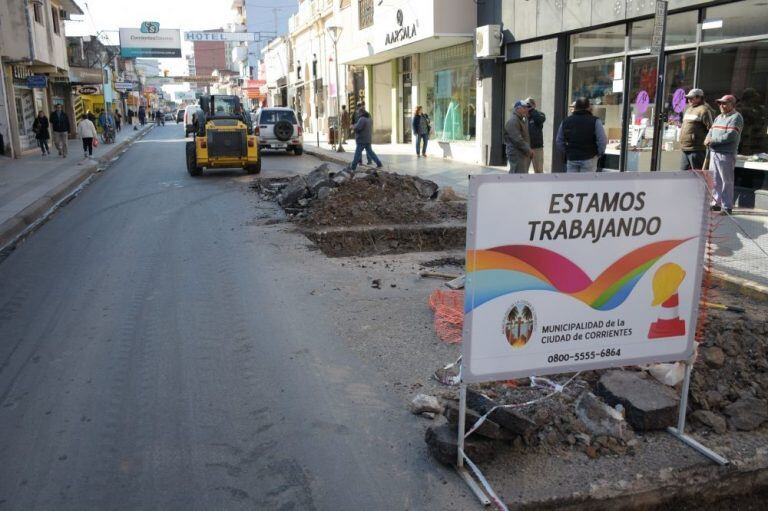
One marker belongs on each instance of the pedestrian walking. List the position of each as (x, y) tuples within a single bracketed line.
[(359, 109), (581, 137), (421, 126), (723, 141), (345, 123), (40, 128), (118, 120), (363, 138), (536, 121), (142, 115), (517, 139), (87, 132), (129, 117), (61, 127), (697, 120)]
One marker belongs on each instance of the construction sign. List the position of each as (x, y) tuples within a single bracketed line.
[(568, 272)]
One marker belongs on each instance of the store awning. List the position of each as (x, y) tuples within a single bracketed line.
[(369, 56)]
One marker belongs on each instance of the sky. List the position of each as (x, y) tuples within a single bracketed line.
[(105, 17)]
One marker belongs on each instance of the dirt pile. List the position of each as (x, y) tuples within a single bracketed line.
[(383, 198), (328, 198), (729, 385)]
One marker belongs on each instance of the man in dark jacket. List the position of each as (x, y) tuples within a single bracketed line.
[(582, 138), (517, 141), (536, 131), (697, 119), (60, 125), (363, 138)]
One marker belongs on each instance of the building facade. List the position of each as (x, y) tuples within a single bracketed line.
[(33, 66), (558, 50), (403, 54)]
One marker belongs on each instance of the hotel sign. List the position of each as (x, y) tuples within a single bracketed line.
[(403, 33)]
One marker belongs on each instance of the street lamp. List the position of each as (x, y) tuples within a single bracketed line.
[(335, 32)]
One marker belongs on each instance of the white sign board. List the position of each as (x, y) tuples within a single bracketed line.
[(165, 43), (569, 272), (221, 36)]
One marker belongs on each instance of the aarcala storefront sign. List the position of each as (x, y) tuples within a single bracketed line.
[(403, 33)]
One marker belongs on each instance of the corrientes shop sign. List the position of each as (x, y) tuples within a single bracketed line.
[(404, 33)]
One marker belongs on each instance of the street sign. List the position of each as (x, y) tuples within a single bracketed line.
[(123, 86), (164, 43), (37, 81), (659, 27), (570, 272)]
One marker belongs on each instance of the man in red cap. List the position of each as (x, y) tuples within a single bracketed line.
[(723, 141)]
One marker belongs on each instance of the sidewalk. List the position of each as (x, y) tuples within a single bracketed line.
[(31, 185), (401, 158), (743, 261)]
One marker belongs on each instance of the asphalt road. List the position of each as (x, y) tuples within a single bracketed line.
[(154, 354)]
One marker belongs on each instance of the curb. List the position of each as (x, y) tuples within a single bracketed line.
[(321, 155), (741, 286), (31, 217)]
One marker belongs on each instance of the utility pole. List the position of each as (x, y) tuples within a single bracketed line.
[(657, 48)]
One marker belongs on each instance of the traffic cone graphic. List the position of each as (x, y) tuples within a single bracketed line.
[(666, 283)]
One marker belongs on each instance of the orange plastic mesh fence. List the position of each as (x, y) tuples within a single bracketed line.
[(448, 307)]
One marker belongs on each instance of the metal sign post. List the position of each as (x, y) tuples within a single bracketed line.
[(657, 48)]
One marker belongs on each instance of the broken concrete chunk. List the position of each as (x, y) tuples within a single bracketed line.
[(511, 419), (295, 191), (443, 445), (319, 174), (648, 404), (323, 192), (748, 413), (425, 188), (425, 403), (711, 420), (487, 429), (600, 418), (714, 356)]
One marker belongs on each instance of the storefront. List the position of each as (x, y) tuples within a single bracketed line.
[(416, 54), (722, 49)]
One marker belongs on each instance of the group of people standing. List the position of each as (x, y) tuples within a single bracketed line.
[(60, 124), (582, 139)]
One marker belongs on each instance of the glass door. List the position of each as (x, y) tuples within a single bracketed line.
[(643, 75), (406, 104), (679, 78)]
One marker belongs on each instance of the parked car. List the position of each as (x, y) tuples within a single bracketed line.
[(169, 116), (179, 115), (278, 128), (189, 118)]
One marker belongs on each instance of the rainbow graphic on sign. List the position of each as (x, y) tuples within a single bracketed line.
[(499, 271)]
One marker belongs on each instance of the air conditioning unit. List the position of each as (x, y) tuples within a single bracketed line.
[(488, 41)]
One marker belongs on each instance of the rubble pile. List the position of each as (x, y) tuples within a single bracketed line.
[(326, 197), (729, 384)]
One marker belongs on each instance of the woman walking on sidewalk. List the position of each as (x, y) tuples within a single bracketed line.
[(420, 125), (40, 127), (87, 131)]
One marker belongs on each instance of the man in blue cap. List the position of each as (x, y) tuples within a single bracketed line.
[(517, 139)]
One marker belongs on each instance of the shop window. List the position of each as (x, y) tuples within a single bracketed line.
[(447, 92), (523, 80), (55, 19), (741, 70), (594, 43), (38, 12), (681, 29), (601, 81), (738, 19), (365, 13)]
